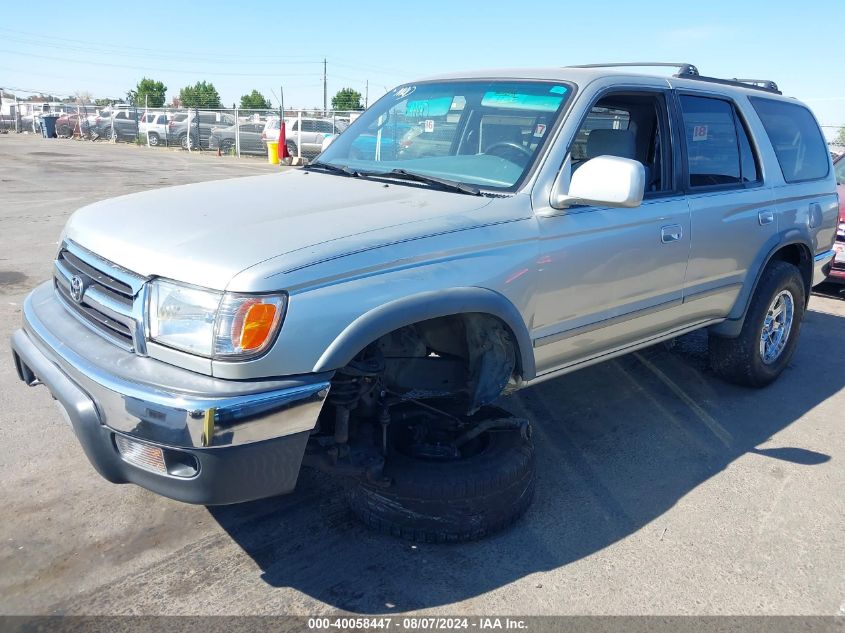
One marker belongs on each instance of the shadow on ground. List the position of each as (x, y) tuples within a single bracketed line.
[(618, 444)]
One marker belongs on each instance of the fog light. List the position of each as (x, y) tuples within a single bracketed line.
[(144, 456)]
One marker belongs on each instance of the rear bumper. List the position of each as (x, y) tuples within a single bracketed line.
[(822, 265), (837, 270), (221, 441)]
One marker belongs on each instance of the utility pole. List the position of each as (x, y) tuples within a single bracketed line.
[(325, 90), (367, 94)]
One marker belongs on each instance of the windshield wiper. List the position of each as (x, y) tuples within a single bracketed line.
[(443, 183), (335, 169)]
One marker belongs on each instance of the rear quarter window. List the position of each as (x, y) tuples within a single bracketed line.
[(796, 138)]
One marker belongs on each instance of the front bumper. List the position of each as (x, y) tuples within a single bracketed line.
[(222, 441)]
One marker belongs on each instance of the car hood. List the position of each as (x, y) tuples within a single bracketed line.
[(206, 233)]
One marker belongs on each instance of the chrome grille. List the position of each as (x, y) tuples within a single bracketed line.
[(111, 298)]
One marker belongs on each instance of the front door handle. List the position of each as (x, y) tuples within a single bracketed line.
[(671, 233), (765, 217)]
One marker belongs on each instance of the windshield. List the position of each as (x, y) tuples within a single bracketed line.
[(485, 133)]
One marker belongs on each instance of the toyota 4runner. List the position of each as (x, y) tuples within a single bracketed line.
[(362, 315)]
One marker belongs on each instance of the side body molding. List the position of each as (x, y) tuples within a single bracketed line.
[(421, 307)]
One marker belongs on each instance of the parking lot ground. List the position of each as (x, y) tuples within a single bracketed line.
[(661, 490)]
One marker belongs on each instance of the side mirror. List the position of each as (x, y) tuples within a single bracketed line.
[(326, 142), (608, 181)]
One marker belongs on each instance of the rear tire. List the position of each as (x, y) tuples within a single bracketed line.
[(453, 501), (154, 139), (291, 146), (764, 348)]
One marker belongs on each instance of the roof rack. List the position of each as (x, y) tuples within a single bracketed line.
[(765, 84), (688, 71), (683, 68)]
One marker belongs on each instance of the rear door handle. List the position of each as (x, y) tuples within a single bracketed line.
[(671, 233), (765, 217)]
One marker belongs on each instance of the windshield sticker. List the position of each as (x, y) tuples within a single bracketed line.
[(401, 93), (540, 130), (428, 107), (520, 101), (699, 133), (558, 90), (429, 125)]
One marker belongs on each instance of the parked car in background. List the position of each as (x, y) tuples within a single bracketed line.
[(223, 138), (121, 124), (153, 125), (69, 125), (311, 136), (837, 272), (197, 131)]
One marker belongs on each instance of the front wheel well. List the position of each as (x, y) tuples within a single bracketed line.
[(471, 357)]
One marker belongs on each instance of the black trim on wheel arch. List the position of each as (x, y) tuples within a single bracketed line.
[(391, 316), (732, 326), (739, 360)]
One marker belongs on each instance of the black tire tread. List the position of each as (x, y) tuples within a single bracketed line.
[(736, 360), (458, 501)]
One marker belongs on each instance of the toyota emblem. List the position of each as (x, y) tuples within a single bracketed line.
[(77, 288)]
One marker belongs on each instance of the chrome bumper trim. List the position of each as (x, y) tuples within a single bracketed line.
[(184, 409), (821, 266)]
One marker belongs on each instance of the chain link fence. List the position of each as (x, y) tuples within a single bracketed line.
[(227, 131)]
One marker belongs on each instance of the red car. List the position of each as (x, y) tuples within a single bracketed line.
[(68, 125), (837, 272)]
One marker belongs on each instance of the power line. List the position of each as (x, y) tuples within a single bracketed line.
[(246, 56), (216, 59), (149, 69)]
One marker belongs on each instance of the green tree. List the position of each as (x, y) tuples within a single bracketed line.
[(840, 137), (102, 102), (149, 92), (255, 100), (347, 99), (200, 95)]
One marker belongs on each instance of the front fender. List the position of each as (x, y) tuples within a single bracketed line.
[(420, 307)]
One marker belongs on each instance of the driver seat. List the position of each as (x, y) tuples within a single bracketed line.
[(601, 142), (621, 143)]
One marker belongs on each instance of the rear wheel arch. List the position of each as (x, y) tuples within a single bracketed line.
[(796, 252), (407, 311)]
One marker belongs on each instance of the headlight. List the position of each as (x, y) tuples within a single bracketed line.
[(213, 324)]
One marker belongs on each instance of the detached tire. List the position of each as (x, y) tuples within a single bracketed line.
[(755, 360), (452, 501)]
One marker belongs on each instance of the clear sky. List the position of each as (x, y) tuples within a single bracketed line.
[(105, 48)]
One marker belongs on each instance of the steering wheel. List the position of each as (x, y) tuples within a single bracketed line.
[(510, 147)]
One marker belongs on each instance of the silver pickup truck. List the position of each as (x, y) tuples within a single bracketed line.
[(467, 236)]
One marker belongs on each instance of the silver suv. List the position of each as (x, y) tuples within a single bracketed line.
[(467, 236)]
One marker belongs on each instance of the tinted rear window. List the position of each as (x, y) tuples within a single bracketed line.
[(796, 138)]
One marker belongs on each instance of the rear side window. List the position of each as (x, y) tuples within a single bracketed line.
[(718, 149), (796, 138)]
